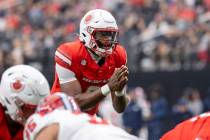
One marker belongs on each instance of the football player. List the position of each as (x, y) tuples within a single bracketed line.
[(21, 88), (93, 66), (196, 128), (58, 118)]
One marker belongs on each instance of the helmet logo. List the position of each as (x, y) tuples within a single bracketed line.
[(88, 19), (17, 85)]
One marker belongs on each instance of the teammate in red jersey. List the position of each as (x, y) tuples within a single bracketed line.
[(196, 128), (21, 89), (93, 66)]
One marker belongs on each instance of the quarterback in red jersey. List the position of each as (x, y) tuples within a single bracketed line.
[(196, 128), (21, 88), (93, 66)]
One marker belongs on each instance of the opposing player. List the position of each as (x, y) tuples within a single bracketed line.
[(93, 66), (21, 89), (58, 118), (196, 128)]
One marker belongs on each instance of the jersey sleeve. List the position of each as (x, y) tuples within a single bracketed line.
[(65, 75), (63, 57), (32, 127), (37, 122), (121, 56), (64, 65)]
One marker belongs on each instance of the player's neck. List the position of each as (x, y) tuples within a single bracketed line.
[(94, 56), (99, 60)]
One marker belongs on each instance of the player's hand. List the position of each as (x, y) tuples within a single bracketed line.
[(118, 79)]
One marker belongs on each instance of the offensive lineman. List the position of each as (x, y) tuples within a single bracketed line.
[(58, 118)]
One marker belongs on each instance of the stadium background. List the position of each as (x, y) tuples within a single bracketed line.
[(167, 41)]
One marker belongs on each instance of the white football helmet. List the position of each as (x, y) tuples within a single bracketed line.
[(99, 31), (22, 86), (58, 100)]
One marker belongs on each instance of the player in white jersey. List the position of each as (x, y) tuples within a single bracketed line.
[(102, 132), (58, 118)]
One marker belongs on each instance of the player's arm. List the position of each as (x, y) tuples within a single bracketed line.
[(120, 102), (48, 133), (85, 100), (119, 97), (70, 85)]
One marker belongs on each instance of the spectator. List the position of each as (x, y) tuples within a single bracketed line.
[(159, 112), (194, 102), (132, 116), (206, 102), (181, 112)]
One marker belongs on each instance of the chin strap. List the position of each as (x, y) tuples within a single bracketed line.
[(94, 55)]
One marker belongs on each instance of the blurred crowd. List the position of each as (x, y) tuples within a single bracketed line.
[(167, 35), (159, 35)]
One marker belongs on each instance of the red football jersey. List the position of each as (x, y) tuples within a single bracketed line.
[(4, 130), (75, 57), (196, 128)]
